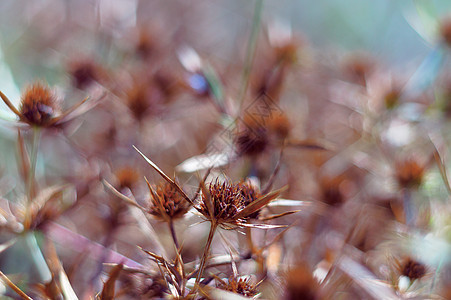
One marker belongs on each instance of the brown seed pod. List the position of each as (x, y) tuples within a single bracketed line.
[(238, 285), (39, 107), (167, 201), (445, 30), (252, 139), (412, 269), (409, 173), (300, 284), (39, 104), (127, 177), (250, 194), (227, 201)]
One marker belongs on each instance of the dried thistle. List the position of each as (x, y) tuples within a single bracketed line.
[(238, 285), (166, 202), (253, 139), (391, 97), (300, 284), (39, 107), (127, 177), (409, 173), (445, 30), (358, 67), (227, 204), (38, 104), (84, 73), (411, 268)]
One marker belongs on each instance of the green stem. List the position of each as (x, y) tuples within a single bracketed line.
[(31, 188), (250, 50), (203, 261)]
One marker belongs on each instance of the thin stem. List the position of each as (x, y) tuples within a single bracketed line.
[(203, 261), (14, 287), (409, 209), (174, 236), (31, 188), (250, 50), (37, 258)]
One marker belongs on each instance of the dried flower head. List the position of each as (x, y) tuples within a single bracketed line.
[(233, 204), (250, 193), (227, 201), (39, 104), (145, 45), (300, 284), (330, 190), (358, 67), (409, 173), (167, 201), (39, 107), (280, 126), (412, 269), (83, 73), (252, 139), (126, 177), (238, 285), (391, 97), (138, 100), (445, 30)]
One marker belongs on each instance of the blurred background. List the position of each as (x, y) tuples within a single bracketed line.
[(360, 93)]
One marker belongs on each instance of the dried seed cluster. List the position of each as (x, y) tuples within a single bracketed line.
[(413, 269), (174, 205), (38, 104), (241, 286), (227, 200)]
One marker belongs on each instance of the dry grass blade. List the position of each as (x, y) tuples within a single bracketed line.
[(365, 279), (308, 145), (24, 158), (10, 105), (280, 215), (123, 197), (202, 183), (108, 290), (207, 200), (59, 276), (14, 287), (441, 168), (47, 195), (259, 203), (157, 202), (161, 260), (260, 226), (166, 177)]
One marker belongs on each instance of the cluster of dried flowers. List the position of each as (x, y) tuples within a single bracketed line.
[(357, 154)]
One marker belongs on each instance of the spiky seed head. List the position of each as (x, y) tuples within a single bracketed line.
[(358, 67), (445, 30), (227, 201), (413, 269), (238, 285), (250, 193), (127, 177), (391, 97), (175, 206), (409, 173), (280, 126), (300, 284), (252, 139), (330, 191), (38, 105), (83, 73), (138, 100)]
